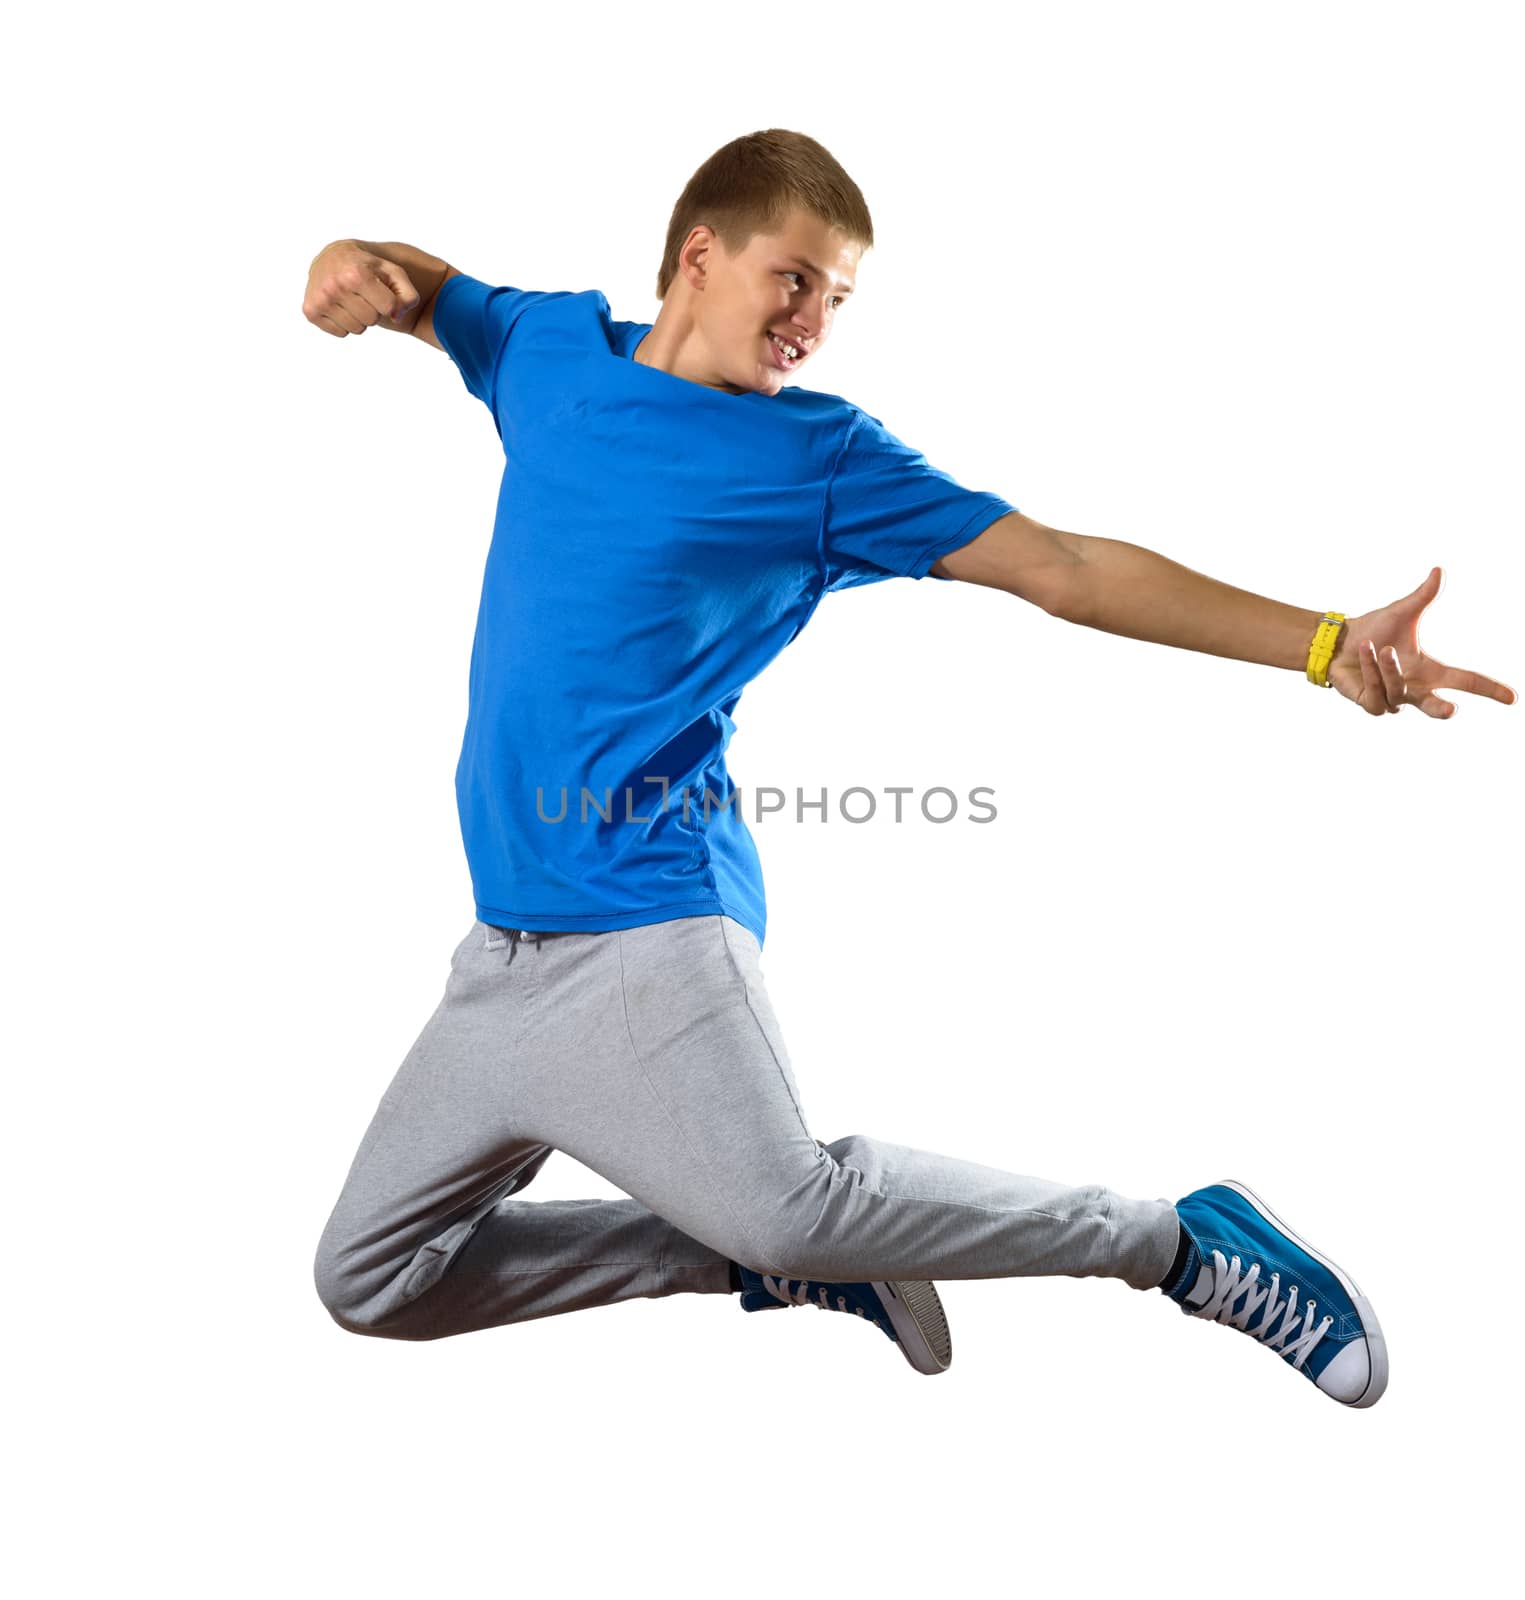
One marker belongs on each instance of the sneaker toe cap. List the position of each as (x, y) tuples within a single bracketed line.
[(1350, 1377)]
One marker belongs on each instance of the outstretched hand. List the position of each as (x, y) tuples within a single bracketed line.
[(1379, 665)]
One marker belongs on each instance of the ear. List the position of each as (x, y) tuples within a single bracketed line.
[(694, 257)]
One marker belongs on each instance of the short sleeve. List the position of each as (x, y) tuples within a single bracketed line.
[(891, 514), (473, 320)]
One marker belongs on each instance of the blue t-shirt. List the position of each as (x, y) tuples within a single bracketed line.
[(657, 543)]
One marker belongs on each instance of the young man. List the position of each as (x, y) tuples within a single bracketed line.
[(671, 515)]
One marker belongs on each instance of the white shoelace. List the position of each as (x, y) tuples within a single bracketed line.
[(1229, 1283), (775, 1287)]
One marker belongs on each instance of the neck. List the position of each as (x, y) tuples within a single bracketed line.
[(674, 346)]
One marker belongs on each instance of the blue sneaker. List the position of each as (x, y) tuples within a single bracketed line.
[(910, 1313), (1234, 1243)]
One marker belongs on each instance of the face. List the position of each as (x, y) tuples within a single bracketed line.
[(791, 284)]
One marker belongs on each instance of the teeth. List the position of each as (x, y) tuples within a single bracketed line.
[(789, 349)]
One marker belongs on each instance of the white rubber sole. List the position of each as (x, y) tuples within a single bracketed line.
[(1376, 1344), (920, 1323)]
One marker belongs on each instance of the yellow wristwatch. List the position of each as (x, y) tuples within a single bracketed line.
[(1321, 651)]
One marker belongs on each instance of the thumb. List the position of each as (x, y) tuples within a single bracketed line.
[(399, 283), (1417, 599)]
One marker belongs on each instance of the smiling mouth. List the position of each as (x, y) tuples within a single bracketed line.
[(787, 362)]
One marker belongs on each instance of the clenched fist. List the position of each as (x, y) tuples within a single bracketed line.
[(350, 288)]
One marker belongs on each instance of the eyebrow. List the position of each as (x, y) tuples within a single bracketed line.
[(800, 261)]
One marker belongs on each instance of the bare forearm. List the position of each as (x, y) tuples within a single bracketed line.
[(1126, 589)]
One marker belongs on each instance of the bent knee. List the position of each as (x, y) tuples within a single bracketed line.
[(348, 1315), (342, 1297)]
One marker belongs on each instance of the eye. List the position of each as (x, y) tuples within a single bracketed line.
[(839, 300), (800, 275)]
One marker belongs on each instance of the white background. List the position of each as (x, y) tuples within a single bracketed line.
[(1237, 284)]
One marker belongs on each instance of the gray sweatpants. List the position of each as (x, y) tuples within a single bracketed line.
[(652, 1056)]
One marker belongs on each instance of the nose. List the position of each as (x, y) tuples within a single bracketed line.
[(810, 329)]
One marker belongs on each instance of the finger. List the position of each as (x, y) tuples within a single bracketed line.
[(339, 313), (328, 319), (1433, 706), (339, 299), (1474, 683), (1417, 599), (387, 292), (359, 307), (360, 295), (1373, 697), (1427, 590), (1393, 686), (401, 285)]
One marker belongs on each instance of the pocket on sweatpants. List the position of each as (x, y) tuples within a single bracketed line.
[(746, 955)]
